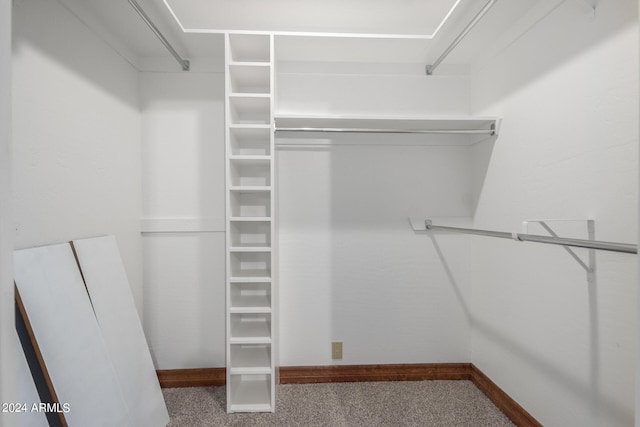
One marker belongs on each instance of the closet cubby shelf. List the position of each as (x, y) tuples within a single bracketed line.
[(251, 371), (250, 304), (250, 142), (250, 173), (248, 63), (249, 95), (264, 63), (249, 340), (249, 158), (250, 264), (250, 109), (251, 393), (250, 188), (437, 130), (248, 325), (250, 199), (262, 276), (250, 78), (250, 310), (249, 48), (251, 296), (250, 279), (253, 248), (235, 279), (250, 126), (250, 356), (250, 235)]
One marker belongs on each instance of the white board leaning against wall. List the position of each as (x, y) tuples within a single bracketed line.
[(68, 336), (87, 330), (114, 307)]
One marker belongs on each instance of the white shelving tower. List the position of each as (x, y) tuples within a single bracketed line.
[(250, 225)]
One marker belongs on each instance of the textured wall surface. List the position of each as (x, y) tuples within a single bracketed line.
[(76, 144), (76, 134), (351, 268), (563, 347), (183, 180)]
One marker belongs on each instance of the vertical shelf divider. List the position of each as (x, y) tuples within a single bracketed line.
[(250, 223)]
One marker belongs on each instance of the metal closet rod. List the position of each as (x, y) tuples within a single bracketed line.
[(562, 241), (374, 130), (183, 62), (461, 36)]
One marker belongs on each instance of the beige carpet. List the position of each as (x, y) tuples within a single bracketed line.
[(410, 403)]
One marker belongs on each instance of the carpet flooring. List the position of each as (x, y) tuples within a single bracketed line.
[(371, 404)]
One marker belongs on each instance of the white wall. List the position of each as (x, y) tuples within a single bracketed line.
[(7, 334), (351, 268), (76, 134), (183, 184), (76, 147), (324, 272), (567, 87), (361, 89)]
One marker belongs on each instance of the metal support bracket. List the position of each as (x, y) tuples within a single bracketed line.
[(591, 236)]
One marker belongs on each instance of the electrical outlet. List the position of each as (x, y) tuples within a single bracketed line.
[(336, 350)]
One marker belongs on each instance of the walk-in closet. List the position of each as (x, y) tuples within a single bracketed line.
[(347, 212)]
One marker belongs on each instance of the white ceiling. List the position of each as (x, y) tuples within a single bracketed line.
[(387, 18), (394, 42)]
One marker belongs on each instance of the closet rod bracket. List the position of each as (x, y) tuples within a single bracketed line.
[(591, 233)]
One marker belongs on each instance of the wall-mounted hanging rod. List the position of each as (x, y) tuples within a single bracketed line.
[(374, 130), (579, 243), (461, 36), (183, 62)]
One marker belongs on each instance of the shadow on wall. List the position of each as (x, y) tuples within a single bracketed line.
[(51, 30), (481, 161), (600, 404), (585, 391), (380, 303)]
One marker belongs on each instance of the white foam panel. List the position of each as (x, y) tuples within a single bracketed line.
[(69, 337), (115, 309)]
